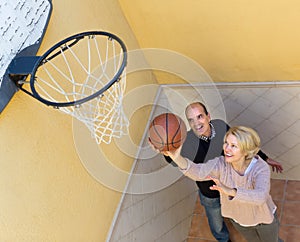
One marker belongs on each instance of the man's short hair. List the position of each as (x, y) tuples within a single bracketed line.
[(197, 103)]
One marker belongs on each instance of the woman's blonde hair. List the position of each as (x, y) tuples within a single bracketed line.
[(247, 139)]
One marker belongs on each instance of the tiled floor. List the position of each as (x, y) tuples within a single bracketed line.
[(286, 195)]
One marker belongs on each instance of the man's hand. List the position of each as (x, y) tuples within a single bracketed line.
[(276, 166)]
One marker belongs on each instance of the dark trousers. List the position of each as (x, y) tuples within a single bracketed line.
[(261, 232)]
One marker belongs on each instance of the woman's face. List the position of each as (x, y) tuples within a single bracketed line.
[(232, 151)]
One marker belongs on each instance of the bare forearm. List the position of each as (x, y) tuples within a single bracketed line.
[(181, 162)]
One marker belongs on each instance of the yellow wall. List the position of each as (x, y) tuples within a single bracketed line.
[(46, 194), (233, 40)]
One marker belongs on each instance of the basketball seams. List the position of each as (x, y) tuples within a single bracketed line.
[(161, 142), (175, 135), (167, 132)]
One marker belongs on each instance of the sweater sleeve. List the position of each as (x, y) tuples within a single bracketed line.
[(262, 155), (259, 193), (201, 171)]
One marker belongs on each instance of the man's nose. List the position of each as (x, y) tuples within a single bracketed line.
[(198, 121)]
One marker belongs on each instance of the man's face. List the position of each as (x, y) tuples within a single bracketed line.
[(198, 120)]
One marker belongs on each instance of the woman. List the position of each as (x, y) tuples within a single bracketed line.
[(243, 180)]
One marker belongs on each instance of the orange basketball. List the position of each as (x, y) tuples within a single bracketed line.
[(167, 132)]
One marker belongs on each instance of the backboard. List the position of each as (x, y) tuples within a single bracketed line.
[(22, 27)]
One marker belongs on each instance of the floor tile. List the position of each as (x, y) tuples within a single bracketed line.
[(199, 209), (198, 240), (293, 191), (277, 189), (289, 233), (290, 214), (200, 228), (197, 220)]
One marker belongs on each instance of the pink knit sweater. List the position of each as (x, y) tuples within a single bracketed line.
[(252, 204)]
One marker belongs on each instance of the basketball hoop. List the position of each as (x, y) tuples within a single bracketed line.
[(83, 76)]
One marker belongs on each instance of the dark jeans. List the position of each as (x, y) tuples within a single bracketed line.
[(216, 221)]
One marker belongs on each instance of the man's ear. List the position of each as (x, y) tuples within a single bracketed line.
[(208, 115)]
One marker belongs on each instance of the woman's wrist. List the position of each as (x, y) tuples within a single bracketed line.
[(182, 163)]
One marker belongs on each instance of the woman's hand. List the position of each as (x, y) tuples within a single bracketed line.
[(172, 153), (181, 162), (222, 188)]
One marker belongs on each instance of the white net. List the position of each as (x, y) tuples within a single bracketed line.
[(80, 70)]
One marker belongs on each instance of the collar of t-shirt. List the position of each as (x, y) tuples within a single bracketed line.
[(252, 163)]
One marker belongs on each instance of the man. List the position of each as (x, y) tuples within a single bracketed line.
[(204, 141)]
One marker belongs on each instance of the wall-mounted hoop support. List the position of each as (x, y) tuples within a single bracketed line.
[(84, 76), (20, 68), (22, 28)]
